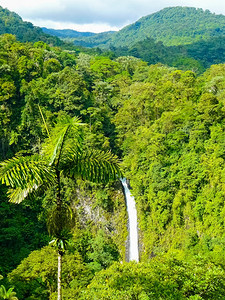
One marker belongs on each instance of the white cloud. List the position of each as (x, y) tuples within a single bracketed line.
[(94, 27)]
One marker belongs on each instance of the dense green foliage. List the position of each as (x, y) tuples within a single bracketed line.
[(171, 126), (196, 56), (161, 278), (7, 293), (38, 80), (193, 58), (167, 126), (208, 52)]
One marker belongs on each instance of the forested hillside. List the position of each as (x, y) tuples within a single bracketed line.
[(12, 23), (173, 26), (166, 125), (66, 33), (171, 126), (181, 37), (197, 55)]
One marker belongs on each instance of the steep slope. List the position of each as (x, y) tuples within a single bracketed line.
[(12, 23), (175, 26), (172, 25)]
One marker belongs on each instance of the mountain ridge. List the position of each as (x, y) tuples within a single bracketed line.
[(172, 25), (66, 33)]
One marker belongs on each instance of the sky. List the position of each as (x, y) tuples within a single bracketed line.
[(97, 15)]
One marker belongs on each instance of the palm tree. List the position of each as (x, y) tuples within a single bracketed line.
[(62, 156)]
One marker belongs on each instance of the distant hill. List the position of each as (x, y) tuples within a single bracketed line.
[(67, 33), (173, 26), (85, 39), (12, 23)]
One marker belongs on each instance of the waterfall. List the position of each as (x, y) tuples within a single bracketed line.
[(132, 221)]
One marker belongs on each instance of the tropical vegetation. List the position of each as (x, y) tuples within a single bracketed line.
[(65, 116)]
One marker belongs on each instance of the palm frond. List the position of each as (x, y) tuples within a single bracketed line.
[(66, 132), (61, 243), (96, 166), (58, 145), (24, 174), (17, 195), (43, 118), (7, 294)]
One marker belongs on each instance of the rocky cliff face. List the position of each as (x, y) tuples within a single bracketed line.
[(103, 209)]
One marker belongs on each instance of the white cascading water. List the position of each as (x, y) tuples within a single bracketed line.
[(133, 226)]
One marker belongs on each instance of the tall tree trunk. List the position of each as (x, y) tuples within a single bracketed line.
[(59, 279), (59, 223)]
